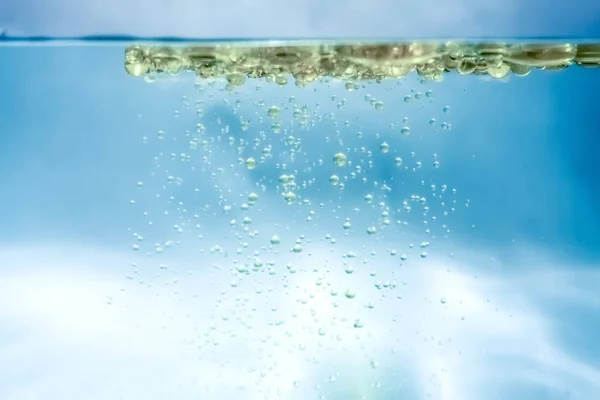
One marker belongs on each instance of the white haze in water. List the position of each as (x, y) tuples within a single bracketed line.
[(72, 328)]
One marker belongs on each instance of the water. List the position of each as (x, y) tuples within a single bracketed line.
[(328, 221)]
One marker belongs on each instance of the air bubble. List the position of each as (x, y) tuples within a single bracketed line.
[(275, 239), (340, 159), (274, 112), (250, 163), (289, 197), (252, 198)]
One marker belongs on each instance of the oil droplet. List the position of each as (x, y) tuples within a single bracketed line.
[(371, 230), (350, 294), (334, 180), (407, 99), (424, 254), (398, 161), (340, 159), (250, 163), (358, 323), (384, 147), (322, 331), (347, 225), (378, 105), (405, 131), (369, 198)]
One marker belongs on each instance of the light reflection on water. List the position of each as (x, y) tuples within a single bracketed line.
[(398, 240)]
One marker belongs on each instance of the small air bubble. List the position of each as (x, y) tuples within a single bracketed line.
[(250, 163), (252, 198), (340, 159), (273, 112), (275, 239)]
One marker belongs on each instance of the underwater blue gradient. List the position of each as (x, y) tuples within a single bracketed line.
[(524, 152)]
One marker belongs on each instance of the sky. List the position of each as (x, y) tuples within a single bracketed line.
[(304, 19), (132, 264)]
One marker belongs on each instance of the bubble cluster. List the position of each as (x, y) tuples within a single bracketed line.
[(356, 61), (292, 225)]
